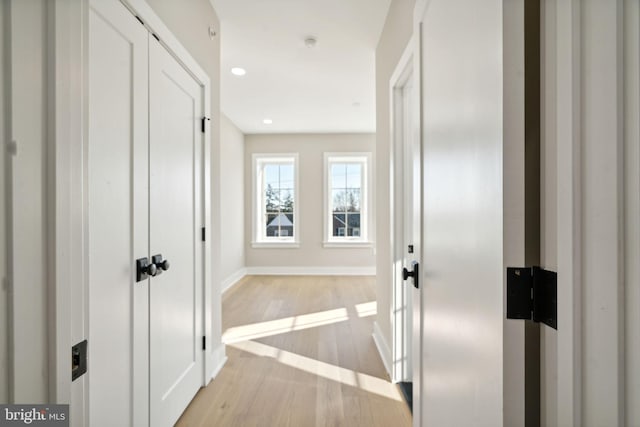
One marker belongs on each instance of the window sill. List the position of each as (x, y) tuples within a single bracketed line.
[(276, 245), (348, 244)]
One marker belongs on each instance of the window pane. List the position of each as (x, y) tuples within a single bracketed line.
[(352, 200), (354, 175), (286, 176), (339, 203), (286, 200), (272, 175), (272, 199), (339, 225), (286, 226), (338, 175), (271, 225), (353, 220)]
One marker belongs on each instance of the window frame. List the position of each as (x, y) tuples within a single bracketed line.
[(364, 240), (260, 239)]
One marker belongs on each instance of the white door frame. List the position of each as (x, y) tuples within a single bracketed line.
[(402, 318), (68, 35)]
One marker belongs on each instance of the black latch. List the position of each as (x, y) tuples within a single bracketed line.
[(78, 360), (203, 123), (532, 295)]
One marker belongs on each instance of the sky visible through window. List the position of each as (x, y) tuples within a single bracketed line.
[(279, 200), (346, 188)]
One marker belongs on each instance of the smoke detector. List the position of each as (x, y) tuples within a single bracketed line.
[(310, 42)]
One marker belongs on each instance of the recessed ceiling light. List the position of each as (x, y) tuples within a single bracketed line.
[(237, 71), (267, 121)]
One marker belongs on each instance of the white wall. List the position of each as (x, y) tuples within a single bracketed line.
[(311, 253), (395, 35), (4, 312), (28, 126), (190, 26), (232, 173)]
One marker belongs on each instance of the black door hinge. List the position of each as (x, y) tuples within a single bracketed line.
[(204, 342), (532, 294), (203, 123), (204, 231), (139, 20)]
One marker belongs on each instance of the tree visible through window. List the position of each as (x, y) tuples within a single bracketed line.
[(279, 199), (346, 191)]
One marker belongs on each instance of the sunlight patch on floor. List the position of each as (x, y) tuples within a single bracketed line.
[(345, 376), (294, 323), (367, 309), (284, 325)]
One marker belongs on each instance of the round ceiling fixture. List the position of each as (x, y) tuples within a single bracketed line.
[(310, 42), (267, 121), (237, 71)]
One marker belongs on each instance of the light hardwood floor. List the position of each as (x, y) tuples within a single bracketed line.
[(300, 354)]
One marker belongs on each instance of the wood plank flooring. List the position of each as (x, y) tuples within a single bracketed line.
[(300, 353)]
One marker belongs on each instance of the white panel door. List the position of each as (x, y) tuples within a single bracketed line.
[(175, 162), (118, 216), (462, 297)]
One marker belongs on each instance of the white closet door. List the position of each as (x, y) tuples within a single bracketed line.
[(175, 159), (118, 216)]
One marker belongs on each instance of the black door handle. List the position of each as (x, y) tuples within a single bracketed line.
[(413, 274)]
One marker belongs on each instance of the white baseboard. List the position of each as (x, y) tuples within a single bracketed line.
[(383, 347), (219, 358), (233, 279), (311, 271)]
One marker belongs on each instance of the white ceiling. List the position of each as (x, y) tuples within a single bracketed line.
[(328, 88)]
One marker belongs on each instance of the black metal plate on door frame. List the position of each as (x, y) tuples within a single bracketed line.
[(78, 360)]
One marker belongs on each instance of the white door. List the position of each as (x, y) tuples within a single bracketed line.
[(118, 216), (175, 209), (144, 199), (462, 270)]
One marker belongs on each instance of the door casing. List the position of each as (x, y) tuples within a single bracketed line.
[(406, 323)]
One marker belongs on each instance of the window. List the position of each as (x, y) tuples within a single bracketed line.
[(347, 200), (275, 195)]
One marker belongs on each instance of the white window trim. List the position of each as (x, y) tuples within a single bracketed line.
[(259, 239), (364, 241)]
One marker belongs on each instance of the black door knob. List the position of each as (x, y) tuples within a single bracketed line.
[(144, 269), (161, 264), (151, 270)]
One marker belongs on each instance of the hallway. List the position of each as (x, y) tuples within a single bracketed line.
[(300, 354)]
